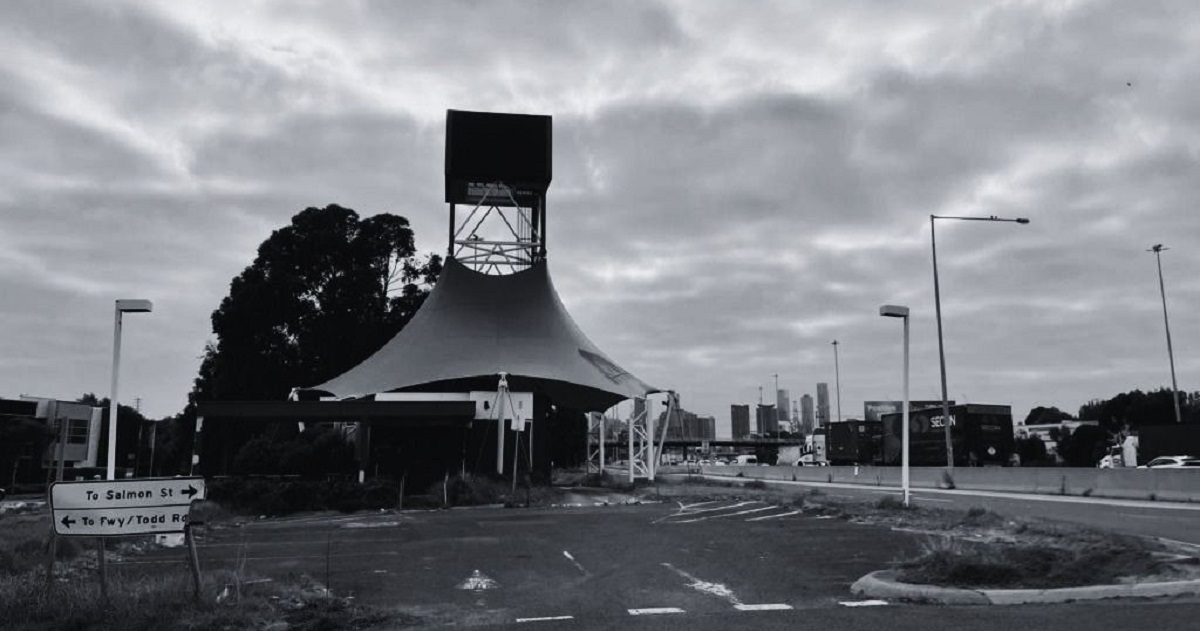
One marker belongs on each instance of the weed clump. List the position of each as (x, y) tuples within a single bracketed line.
[(888, 502), (755, 484)]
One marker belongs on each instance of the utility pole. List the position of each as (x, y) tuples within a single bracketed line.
[(837, 374), (1157, 250)]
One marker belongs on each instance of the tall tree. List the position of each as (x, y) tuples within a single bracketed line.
[(1043, 415), (1136, 408), (324, 293)]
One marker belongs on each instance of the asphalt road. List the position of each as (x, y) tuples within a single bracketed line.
[(716, 565), (1170, 520)]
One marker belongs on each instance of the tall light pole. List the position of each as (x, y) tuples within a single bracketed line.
[(122, 306), (896, 311), (837, 380), (937, 302), (1157, 250)]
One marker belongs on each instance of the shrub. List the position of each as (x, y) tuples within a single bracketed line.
[(283, 496), (755, 484)]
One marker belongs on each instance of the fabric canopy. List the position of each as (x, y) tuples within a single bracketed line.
[(474, 326)]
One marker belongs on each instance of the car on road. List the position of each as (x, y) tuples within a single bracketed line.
[(1172, 462)]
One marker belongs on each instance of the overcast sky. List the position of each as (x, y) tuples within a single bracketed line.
[(735, 184)]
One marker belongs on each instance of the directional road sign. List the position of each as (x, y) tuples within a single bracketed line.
[(123, 507)]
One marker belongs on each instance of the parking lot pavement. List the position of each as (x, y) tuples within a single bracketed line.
[(540, 565)]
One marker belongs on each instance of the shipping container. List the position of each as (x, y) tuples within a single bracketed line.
[(981, 434)]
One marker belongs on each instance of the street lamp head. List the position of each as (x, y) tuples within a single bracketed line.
[(135, 306), (893, 311), (1022, 220)]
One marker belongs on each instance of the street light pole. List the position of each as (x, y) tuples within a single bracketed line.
[(122, 306), (937, 303), (896, 311), (837, 380), (1157, 250)]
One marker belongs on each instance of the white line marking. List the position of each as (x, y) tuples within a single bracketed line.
[(863, 603), (744, 512), (545, 618), (718, 508), (683, 512), (653, 611), (684, 507), (766, 517), (575, 563), (715, 589), (765, 607)]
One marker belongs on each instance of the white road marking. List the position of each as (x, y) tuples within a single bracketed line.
[(721, 516), (718, 508), (714, 589), (654, 611), (863, 603), (766, 517), (763, 607), (575, 563), (478, 581), (683, 507), (545, 618), (683, 512)]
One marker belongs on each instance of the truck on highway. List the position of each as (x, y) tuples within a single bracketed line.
[(981, 435), (853, 442)]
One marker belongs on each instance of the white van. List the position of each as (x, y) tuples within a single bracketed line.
[(746, 460)]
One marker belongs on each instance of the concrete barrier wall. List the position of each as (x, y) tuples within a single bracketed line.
[(1180, 485)]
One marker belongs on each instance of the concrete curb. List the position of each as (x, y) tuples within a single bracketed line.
[(883, 584)]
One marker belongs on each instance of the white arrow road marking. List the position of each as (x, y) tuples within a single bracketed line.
[(723, 515), (765, 517), (653, 611), (478, 581), (715, 589)]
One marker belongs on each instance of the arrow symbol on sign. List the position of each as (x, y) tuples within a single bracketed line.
[(67, 521), (189, 491)]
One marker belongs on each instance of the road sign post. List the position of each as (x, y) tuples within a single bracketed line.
[(117, 508)]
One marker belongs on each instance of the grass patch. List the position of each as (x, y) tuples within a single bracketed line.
[(1098, 558), (156, 597), (888, 502), (755, 484)]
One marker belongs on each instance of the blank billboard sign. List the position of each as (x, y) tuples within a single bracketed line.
[(484, 149)]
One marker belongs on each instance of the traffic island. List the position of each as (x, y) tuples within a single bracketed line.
[(884, 584)]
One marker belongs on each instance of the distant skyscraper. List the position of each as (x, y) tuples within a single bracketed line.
[(806, 414), (822, 404), (739, 421), (768, 422), (689, 426), (795, 425), (783, 405)]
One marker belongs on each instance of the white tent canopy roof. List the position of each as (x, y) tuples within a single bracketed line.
[(474, 326)]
